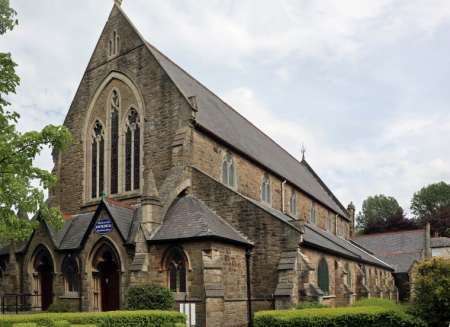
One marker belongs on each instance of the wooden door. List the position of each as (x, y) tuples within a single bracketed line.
[(109, 286), (46, 287)]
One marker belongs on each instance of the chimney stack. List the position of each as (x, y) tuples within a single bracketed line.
[(428, 241)]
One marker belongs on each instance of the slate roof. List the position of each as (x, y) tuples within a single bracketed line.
[(71, 235), (202, 223), (319, 238), (399, 249), (20, 247), (221, 120), (440, 242)]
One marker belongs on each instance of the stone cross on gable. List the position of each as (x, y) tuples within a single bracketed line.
[(118, 2)]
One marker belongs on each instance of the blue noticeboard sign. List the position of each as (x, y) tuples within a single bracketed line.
[(103, 226)]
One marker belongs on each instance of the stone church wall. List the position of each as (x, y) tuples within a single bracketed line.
[(166, 111), (208, 155), (270, 236)]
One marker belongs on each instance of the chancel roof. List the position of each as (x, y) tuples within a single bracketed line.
[(399, 249)]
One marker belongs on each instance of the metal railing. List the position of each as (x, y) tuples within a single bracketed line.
[(16, 303)]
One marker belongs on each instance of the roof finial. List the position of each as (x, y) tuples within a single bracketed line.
[(303, 152), (118, 2)]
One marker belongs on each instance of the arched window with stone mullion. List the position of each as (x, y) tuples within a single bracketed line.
[(132, 151), (228, 170), (115, 109), (97, 160)]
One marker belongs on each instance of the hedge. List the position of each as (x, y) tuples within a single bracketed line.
[(149, 297), (342, 317), (99, 319)]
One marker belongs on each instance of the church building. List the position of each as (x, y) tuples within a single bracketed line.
[(166, 184)]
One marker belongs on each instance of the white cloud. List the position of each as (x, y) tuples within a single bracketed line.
[(362, 83)]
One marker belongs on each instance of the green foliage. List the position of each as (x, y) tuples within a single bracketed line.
[(149, 297), (61, 323), (380, 213), (432, 291), (310, 305), (62, 306), (342, 317), (27, 324), (7, 17), (377, 302), (99, 319), (430, 199), (180, 325), (19, 195)]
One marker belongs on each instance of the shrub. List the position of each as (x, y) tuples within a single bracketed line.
[(432, 291), (61, 323), (61, 306), (342, 317), (376, 302), (149, 297), (310, 305), (30, 324), (98, 319)]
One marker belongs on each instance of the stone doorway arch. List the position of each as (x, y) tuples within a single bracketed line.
[(43, 272), (106, 278)]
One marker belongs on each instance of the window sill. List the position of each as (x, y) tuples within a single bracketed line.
[(122, 196), (70, 297), (326, 297)]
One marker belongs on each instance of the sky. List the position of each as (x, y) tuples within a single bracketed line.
[(362, 84)]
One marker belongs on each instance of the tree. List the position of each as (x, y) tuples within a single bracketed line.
[(429, 200), (432, 291), (382, 213), (22, 185), (440, 222)]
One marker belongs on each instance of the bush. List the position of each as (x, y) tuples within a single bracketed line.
[(376, 302), (310, 305), (149, 297), (432, 291), (342, 317), (61, 323), (61, 306), (98, 319), (25, 325)]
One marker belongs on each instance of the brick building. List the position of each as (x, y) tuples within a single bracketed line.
[(167, 184)]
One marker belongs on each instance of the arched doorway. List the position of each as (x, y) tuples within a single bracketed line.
[(43, 278), (106, 278)]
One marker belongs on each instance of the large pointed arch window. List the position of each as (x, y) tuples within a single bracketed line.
[(97, 160), (132, 151), (176, 270), (115, 108), (323, 279)]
